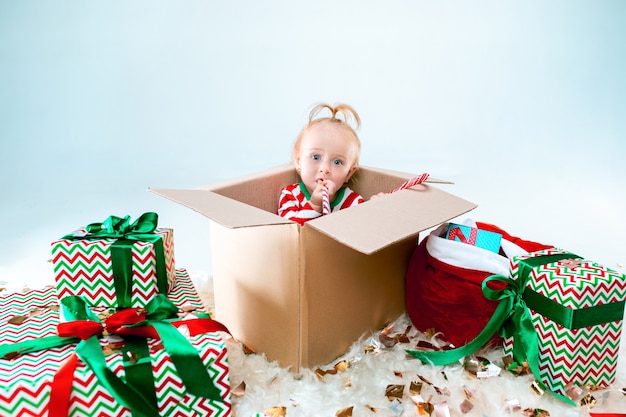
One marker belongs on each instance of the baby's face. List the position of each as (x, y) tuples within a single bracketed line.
[(326, 152)]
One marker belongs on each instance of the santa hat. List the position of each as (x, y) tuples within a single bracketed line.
[(444, 281)]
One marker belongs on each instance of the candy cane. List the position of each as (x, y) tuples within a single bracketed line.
[(413, 181), (456, 232), (325, 201)]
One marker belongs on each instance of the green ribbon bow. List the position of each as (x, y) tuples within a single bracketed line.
[(158, 320), (512, 318), (126, 234)]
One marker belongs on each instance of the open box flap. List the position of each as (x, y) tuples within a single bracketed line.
[(367, 228), (388, 219), (224, 210)]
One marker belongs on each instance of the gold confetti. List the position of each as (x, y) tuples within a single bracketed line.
[(370, 349), (588, 400), (278, 411), (535, 412), (342, 366), (320, 373), (239, 390), (425, 408), (415, 388), (347, 383), (17, 319), (537, 388), (390, 341), (441, 391), (424, 379), (345, 412), (394, 391)]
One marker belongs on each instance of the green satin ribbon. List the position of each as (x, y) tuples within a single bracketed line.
[(512, 318), (126, 234), (159, 316)]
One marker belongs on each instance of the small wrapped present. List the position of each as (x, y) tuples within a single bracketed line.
[(153, 362), (116, 263), (484, 239), (577, 308)]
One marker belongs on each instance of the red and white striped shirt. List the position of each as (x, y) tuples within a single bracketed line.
[(294, 203)]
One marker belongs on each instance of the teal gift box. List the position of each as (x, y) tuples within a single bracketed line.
[(473, 236)]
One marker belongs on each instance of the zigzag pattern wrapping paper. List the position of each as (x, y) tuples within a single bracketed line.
[(583, 356), (25, 381), (84, 267)]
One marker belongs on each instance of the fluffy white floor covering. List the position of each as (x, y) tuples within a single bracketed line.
[(361, 389)]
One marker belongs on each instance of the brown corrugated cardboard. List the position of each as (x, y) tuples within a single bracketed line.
[(303, 295)]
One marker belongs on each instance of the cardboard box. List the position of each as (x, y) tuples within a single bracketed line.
[(303, 294), (26, 379), (577, 308)]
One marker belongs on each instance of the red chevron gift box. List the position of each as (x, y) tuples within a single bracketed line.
[(576, 307), (125, 371), (116, 263)]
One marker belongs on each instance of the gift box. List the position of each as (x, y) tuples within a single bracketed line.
[(474, 236), (30, 382), (116, 263), (577, 308)]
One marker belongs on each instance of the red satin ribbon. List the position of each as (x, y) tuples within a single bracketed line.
[(607, 415), (59, 404), (120, 323)]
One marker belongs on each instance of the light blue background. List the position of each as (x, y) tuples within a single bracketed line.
[(521, 103)]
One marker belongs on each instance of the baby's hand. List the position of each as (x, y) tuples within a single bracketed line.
[(332, 188), (316, 195)]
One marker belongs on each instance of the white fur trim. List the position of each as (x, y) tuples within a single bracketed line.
[(466, 256)]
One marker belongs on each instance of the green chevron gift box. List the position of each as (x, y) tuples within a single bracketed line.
[(116, 263), (62, 358), (577, 308)]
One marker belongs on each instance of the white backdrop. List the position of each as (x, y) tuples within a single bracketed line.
[(522, 104)]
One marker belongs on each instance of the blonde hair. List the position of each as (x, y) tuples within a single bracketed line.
[(347, 114)]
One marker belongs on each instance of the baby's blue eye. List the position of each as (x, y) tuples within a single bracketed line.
[(337, 162), (316, 157)]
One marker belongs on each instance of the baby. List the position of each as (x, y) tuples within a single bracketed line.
[(326, 154)]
